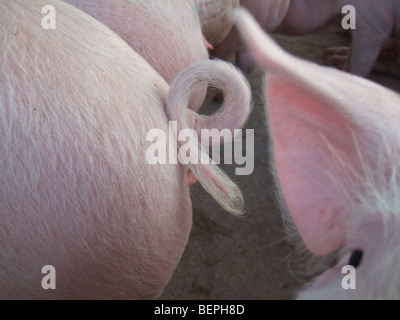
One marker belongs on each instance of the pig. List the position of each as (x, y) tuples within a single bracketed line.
[(77, 192), (168, 34), (376, 22), (336, 159)]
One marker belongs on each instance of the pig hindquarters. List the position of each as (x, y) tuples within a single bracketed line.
[(336, 150), (76, 189), (168, 34)]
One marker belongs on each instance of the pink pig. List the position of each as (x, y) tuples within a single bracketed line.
[(76, 189), (376, 22), (168, 34), (336, 150)]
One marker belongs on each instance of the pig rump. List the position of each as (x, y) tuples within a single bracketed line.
[(76, 191)]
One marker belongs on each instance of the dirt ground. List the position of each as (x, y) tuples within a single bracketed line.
[(248, 258)]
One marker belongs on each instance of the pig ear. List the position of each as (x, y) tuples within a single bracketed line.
[(311, 142), (324, 125)]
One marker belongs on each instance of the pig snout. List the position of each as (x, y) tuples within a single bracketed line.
[(342, 197)]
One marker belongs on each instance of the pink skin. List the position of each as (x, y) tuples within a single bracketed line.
[(167, 34), (76, 189), (336, 150), (175, 23), (388, 61), (376, 23), (268, 13)]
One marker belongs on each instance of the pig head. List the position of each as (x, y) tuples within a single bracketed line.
[(77, 191), (336, 151)]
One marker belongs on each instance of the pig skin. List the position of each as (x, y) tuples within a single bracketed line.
[(336, 154), (76, 189)]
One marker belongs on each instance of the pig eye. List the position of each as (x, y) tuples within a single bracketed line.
[(356, 258)]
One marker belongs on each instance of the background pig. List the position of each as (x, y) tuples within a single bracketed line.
[(76, 190), (268, 13), (376, 22), (167, 34), (336, 153)]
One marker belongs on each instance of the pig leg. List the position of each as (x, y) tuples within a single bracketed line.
[(364, 51), (337, 56), (387, 62), (389, 59)]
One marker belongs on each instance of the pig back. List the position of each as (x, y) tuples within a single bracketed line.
[(166, 33)]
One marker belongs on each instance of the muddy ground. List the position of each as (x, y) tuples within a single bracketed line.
[(248, 258)]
